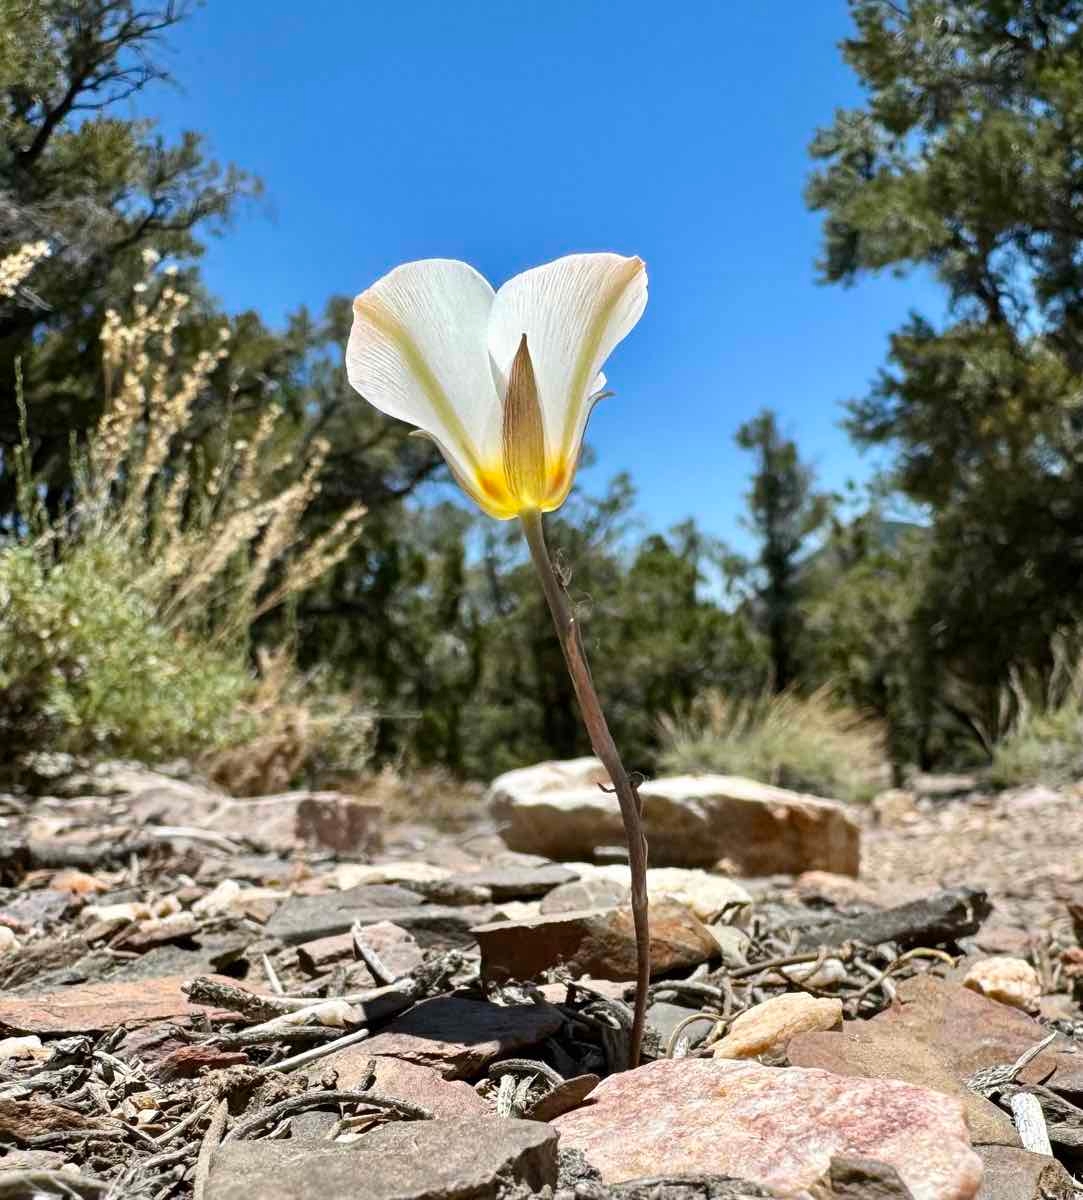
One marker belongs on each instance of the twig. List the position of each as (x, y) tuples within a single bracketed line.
[(317, 1052), (790, 960), (272, 976), (164, 1159), (317, 1100), (892, 967), (1030, 1121), (671, 1045), (188, 834), (207, 1147), (991, 1079), (195, 1115), (513, 1066), (631, 807), (370, 958)]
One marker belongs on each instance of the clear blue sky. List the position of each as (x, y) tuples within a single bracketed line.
[(508, 133)]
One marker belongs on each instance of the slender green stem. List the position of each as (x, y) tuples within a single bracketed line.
[(605, 748)]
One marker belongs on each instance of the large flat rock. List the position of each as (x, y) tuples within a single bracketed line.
[(306, 918), (596, 942), (459, 1037), (778, 1127), (469, 1158), (938, 1035), (558, 810)]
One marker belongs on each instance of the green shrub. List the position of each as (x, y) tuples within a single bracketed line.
[(1047, 748), (1044, 743), (87, 666), (808, 743), (126, 620)]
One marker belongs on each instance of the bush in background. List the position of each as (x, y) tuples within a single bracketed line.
[(125, 620), (808, 743), (1044, 743)]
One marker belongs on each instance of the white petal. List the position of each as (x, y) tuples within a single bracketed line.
[(417, 351), (574, 312)]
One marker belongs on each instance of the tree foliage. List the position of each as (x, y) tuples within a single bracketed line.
[(784, 511), (965, 162)]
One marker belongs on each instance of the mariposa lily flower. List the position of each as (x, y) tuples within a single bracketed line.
[(503, 382)]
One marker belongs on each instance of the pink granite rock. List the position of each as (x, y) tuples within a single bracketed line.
[(778, 1127)]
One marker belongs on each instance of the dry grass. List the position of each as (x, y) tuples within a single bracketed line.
[(808, 743), (430, 796), (1044, 740), (125, 622)]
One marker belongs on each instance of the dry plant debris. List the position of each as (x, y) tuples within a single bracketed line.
[(158, 1008)]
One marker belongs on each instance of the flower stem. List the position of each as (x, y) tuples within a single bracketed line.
[(605, 748)]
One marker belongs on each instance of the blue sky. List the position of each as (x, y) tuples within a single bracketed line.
[(507, 134)]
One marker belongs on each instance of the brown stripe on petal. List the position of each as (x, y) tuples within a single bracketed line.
[(524, 432)]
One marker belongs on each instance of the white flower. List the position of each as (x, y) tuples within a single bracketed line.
[(502, 382)]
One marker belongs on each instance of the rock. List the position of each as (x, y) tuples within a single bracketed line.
[(665, 1019), (157, 931), (1012, 1174), (470, 1158), (9, 943), (564, 1098), (938, 1035), (325, 820), (396, 948), (21, 1047), (827, 974), (840, 891), (941, 917), (351, 875), (459, 1038), (1003, 939), (733, 945), (96, 1007), (1009, 980), (454, 891), (974, 1032), (191, 1061), (583, 894), (77, 883), (599, 942), (768, 1027), (709, 896), (895, 807), (853, 1178), (406, 1081), (36, 909), (778, 1127), (558, 776), (21, 1120), (519, 882), (306, 918), (229, 898), (333, 821), (868, 1049), (30, 1160), (690, 821), (942, 786), (518, 910)]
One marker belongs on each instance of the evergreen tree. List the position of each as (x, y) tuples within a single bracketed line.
[(966, 160), (784, 511), (98, 187)]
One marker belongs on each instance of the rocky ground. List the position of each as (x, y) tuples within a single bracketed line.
[(208, 997)]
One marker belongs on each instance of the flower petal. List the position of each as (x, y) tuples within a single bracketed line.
[(574, 311), (417, 351)]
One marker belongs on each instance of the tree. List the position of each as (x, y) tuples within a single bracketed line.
[(784, 511), (99, 188), (966, 161)]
